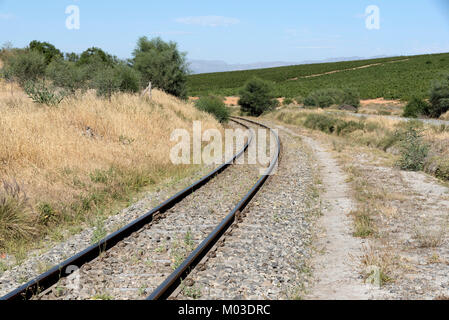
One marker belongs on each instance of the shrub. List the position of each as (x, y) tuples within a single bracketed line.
[(351, 97), (95, 56), (16, 220), (47, 214), (288, 101), (162, 64), (214, 106), (106, 83), (415, 108), (256, 97), (128, 78), (48, 50), (299, 100), (324, 98), (40, 93), (439, 98), (26, 66), (347, 127), (321, 122), (442, 170), (413, 150), (67, 75)]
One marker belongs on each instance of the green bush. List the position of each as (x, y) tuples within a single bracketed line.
[(67, 75), (48, 50), (106, 83), (415, 108), (321, 122), (43, 94), (414, 150), (439, 98), (351, 97), (299, 99), (256, 97), (288, 101), (162, 64), (96, 56), (214, 106), (347, 127), (442, 170), (324, 98), (26, 66), (16, 218), (128, 78)]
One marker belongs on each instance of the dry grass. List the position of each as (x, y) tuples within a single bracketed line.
[(379, 133), (445, 116), (428, 237), (382, 259), (73, 159)]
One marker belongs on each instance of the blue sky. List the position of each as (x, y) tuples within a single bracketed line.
[(235, 31)]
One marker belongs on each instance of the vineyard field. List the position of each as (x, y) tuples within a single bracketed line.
[(391, 78)]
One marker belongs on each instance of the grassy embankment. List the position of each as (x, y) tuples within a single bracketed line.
[(63, 168)]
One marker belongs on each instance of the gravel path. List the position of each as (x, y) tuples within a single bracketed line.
[(427, 121), (265, 256), (135, 267)]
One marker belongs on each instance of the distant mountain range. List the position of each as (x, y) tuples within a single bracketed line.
[(209, 66)]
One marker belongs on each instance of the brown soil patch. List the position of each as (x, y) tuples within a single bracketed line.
[(380, 101)]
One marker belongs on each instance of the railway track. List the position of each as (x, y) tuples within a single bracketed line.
[(155, 252)]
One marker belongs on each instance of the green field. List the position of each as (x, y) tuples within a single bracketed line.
[(407, 77)]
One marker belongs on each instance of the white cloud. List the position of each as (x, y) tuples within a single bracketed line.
[(209, 21)]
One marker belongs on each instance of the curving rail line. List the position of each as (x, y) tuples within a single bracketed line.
[(174, 280), (64, 269), (51, 277)]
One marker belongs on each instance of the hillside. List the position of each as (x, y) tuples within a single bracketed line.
[(390, 78), (66, 166)]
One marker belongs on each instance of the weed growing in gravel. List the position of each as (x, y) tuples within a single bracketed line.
[(191, 292), (188, 240), (102, 296), (143, 290), (378, 261), (429, 238), (363, 223), (43, 266), (99, 232), (413, 149)]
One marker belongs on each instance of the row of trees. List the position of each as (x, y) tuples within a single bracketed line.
[(153, 60)]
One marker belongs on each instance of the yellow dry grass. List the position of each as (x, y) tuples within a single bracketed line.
[(53, 151)]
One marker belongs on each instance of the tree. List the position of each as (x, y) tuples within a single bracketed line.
[(95, 55), (129, 78), (25, 66), (47, 49), (256, 97), (162, 64), (415, 108), (67, 75), (439, 98), (106, 82), (72, 57), (214, 106)]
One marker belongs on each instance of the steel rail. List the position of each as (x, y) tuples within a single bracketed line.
[(64, 269), (173, 281)]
